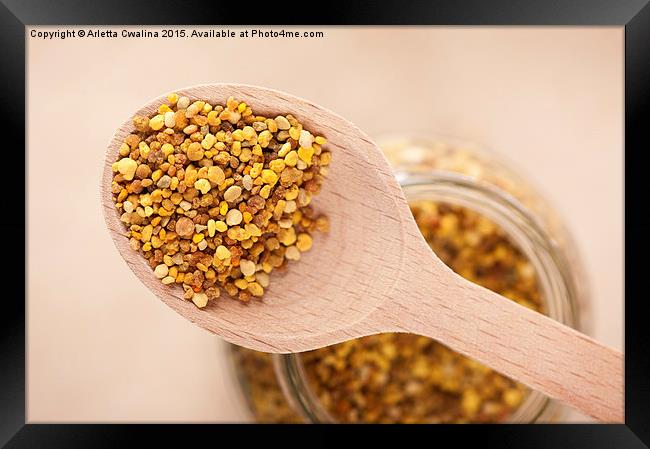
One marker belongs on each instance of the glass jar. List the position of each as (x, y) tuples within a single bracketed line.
[(449, 184)]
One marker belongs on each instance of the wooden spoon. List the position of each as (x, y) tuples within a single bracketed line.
[(375, 273)]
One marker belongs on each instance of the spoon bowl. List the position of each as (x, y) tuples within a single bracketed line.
[(374, 272), (348, 273)]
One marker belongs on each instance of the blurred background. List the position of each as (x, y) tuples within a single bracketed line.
[(101, 347)]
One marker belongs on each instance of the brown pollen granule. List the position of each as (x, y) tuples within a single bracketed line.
[(216, 197)]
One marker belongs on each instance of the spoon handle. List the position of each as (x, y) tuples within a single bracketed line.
[(520, 343)]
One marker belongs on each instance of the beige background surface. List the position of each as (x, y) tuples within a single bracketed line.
[(102, 348)]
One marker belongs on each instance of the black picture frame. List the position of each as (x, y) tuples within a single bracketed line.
[(634, 15)]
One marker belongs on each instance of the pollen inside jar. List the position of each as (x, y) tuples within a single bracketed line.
[(404, 378), (216, 197)]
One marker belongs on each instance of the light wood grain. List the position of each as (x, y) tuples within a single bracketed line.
[(375, 273)]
